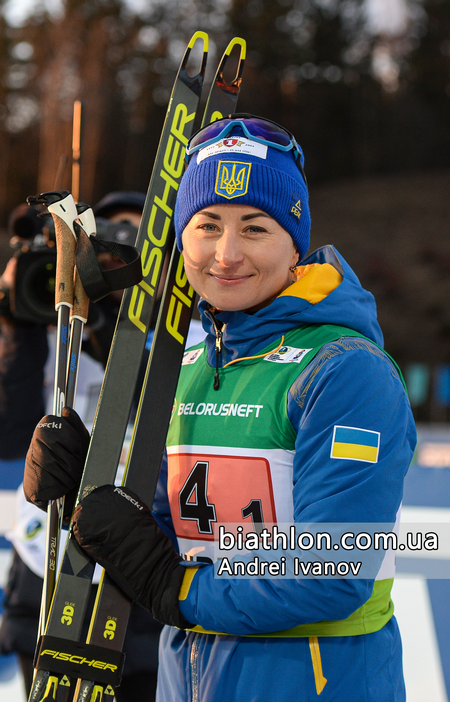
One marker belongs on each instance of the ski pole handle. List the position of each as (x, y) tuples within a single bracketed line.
[(61, 205), (86, 220), (79, 312), (63, 212), (65, 263)]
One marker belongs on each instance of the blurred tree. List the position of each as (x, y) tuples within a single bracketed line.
[(120, 64), (428, 80), (99, 53), (17, 150), (4, 145), (88, 55), (311, 65), (357, 94), (430, 58)]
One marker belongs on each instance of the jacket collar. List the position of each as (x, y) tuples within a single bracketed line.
[(344, 302)]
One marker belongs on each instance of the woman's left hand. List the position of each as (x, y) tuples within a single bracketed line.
[(118, 531)]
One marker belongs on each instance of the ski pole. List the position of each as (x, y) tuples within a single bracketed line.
[(79, 312), (76, 149), (86, 219), (61, 205), (63, 160)]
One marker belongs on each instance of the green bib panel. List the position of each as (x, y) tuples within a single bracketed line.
[(222, 443), (250, 407)]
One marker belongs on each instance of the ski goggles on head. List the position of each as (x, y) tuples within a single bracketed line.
[(263, 131)]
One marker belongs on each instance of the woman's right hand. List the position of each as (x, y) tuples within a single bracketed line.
[(55, 460)]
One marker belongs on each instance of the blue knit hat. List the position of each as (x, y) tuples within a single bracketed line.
[(239, 171)]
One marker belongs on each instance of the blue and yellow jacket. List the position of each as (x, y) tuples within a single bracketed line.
[(348, 387)]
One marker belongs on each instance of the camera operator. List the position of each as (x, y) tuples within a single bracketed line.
[(23, 352)]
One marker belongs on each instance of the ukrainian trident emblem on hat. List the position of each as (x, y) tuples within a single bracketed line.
[(232, 178)]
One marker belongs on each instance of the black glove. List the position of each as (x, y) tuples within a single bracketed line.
[(55, 460), (118, 531)]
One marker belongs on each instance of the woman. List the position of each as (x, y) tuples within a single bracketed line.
[(289, 413)]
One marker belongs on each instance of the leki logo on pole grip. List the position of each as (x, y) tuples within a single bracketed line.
[(161, 214)]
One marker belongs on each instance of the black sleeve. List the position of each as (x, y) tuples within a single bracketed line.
[(23, 353)]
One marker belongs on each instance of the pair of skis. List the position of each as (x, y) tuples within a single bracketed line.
[(98, 662)]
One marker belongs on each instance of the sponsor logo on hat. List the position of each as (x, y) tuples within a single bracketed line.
[(232, 144), (232, 178), (296, 206)]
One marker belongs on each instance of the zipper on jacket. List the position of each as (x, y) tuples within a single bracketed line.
[(194, 670), (218, 352)]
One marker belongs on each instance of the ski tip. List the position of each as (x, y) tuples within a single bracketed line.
[(199, 35), (237, 41), (195, 82)]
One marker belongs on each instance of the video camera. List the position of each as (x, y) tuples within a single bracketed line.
[(32, 297)]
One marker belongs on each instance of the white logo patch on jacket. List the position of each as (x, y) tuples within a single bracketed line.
[(287, 354)]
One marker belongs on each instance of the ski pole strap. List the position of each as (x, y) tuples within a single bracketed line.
[(98, 282), (79, 660)]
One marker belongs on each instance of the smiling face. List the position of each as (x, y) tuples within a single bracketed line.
[(237, 257)]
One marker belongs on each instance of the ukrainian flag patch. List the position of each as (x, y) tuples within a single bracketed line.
[(355, 444)]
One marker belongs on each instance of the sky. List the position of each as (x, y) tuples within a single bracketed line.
[(387, 16)]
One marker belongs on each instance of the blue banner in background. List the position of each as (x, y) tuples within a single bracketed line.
[(417, 378), (442, 385)]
